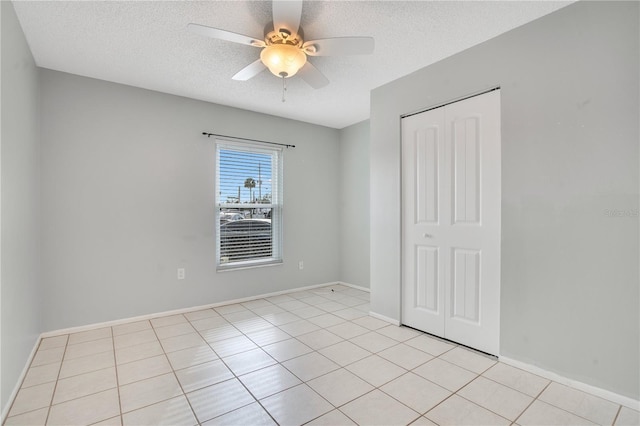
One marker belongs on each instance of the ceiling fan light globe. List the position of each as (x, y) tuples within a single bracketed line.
[(283, 59)]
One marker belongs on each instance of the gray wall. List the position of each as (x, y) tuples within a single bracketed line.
[(353, 209), (19, 261), (128, 197), (569, 295)]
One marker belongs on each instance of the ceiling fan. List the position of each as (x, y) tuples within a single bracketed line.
[(284, 50)]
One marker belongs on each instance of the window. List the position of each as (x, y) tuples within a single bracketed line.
[(249, 204)]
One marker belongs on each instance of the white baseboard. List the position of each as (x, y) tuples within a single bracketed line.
[(180, 311), (16, 388), (593, 390), (384, 318), (357, 287)]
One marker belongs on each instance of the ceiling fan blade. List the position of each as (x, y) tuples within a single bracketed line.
[(313, 76), (286, 14), (225, 35), (249, 71), (339, 46)]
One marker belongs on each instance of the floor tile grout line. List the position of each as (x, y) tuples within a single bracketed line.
[(482, 406), (46, 363), (334, 406), (486, 408), (156, 402), (341, 367), (438, 404), (90, 340), (566, 411), (344, 367), (280, 363), (65, 378), (237, 378), (615, 418), (451, 392), (379, 388), (86, 372), (509, 387), (86, 356), (151, 404), (532, 402), (459, 366), (534, 398), (119, 326), (82, 396), (232, 372), (175, 376), (571, 412), (115, 367), (258, 400), (55, 387), (302, 382), (22, 386)]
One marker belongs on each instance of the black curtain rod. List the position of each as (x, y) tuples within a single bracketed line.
[(245, 139), (473, 95)]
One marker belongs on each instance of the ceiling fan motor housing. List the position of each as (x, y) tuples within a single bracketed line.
[(283, 53)]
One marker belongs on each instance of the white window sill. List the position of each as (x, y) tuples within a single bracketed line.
[(247, 265)]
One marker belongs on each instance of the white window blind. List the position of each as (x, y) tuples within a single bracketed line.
[(249, 204)]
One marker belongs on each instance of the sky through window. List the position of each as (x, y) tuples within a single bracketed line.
[(236, 167)]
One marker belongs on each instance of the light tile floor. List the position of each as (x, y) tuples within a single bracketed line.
[(307, 357)]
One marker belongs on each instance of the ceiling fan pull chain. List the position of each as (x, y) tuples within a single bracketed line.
[(284, 88)]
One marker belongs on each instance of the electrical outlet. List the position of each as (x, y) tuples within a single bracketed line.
[(301, 265), (181, 273)]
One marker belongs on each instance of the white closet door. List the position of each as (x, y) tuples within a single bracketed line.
[(423, 255), (451, 221)]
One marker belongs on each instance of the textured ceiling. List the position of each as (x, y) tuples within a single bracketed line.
[(146, 44)]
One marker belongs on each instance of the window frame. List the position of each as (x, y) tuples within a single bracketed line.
[(276, 205)]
